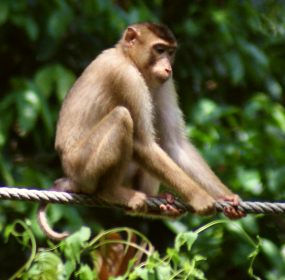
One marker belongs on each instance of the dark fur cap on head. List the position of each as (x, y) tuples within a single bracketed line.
[(160, 30)]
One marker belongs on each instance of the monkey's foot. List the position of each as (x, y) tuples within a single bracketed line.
[(169, 208), (232, 212), (164, 205)]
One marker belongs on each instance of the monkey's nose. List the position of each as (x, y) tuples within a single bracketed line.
[(168, 71)]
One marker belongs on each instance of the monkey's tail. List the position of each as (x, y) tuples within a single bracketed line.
[(50, 233)]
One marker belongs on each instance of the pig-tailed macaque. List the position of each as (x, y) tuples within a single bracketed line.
[(120, 132)]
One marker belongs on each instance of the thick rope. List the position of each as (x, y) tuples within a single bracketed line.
[(153, 203)]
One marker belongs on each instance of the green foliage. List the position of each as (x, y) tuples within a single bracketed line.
[(230, 79), (61, 262)]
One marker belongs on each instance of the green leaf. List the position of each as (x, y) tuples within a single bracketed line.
[(140, 273), (252, 258), (60, 20), (191, 27), (163, 272), (235, 66), (31, 28), (28, 24), (85, 273), (275, 88), (176, 226), (64, 81), (4, 11), (28, 105), (276, 180), (271, 251), (45, 80), (2, 137), (47, 266), (185, 238), (255, 53), (73, 245), (278, 114), (54, 77), (173, 255), (250, 180), (205, 110)]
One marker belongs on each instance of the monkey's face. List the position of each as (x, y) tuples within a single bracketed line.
[(155, 61), (153, 56), (161, 59)]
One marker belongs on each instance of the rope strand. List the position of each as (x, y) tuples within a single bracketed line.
[(153, 203)]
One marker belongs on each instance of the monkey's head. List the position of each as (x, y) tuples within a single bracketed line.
[(152, 48)]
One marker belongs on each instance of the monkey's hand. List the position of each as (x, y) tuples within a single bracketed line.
[(137, 203), (201, 203), (169, 208), (166, 209), (232, 212)]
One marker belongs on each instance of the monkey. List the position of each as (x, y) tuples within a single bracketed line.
[(121, 133)]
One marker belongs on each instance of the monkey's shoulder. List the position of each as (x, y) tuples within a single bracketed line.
[(112, 65), (107, 61)]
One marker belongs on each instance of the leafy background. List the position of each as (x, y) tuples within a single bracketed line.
[(230, 78)]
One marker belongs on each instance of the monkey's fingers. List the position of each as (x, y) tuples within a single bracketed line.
[(170, 198), (233, 199), (170, 210), (233, 213), (169, 207)]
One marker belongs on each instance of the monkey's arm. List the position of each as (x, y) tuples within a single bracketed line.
[(174, 141), (192, 162), (149, 154), (194, 165), (158, 163)]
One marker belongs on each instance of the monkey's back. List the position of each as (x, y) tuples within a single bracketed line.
[(91, 97)]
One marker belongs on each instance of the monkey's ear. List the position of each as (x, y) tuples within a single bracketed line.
[(130, 35)]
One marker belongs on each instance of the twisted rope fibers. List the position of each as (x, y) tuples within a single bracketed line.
[(153, 203)]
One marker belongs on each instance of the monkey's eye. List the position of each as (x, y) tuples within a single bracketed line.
[(159, 49), (171, 52)]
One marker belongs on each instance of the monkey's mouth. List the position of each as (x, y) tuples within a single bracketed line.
[(163, 77)]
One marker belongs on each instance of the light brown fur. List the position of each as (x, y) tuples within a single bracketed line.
[(120, 130)]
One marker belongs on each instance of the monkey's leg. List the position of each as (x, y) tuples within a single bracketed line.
[(103, 158), (145, 182), (148, 184)]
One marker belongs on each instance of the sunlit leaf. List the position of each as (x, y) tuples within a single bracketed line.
[(185, 238), (4, 11), (31, 28), (74, 243), (140, 273), (235, 66), (54, 78), (2, 137), (64, 80), (28, 105), (252, 258), (250, 180), (59, 20), (163, 272), (271, 251), (45, 80), (205, 110), (48, 266), (255, 53), (276, 180), (274, 88), (85, 273), (278, 114)]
